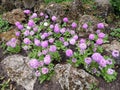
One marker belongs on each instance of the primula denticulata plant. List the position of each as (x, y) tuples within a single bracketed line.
[(48, 43)]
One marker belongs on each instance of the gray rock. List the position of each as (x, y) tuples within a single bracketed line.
[(71, 78), (104, 8), (19, 71), (55, 9), (90, 20), (72, 10), (75, 10), (14, 16), (103, 2), (114, 45), (29, 3), (92, 25)]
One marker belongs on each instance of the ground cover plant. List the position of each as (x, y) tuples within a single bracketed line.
[(116, 33), (116, 5), (5, 83), (4, 25), (48, 42)]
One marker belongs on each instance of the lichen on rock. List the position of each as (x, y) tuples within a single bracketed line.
[(6, 36), (14, 16), (18, 70), (71, 78)]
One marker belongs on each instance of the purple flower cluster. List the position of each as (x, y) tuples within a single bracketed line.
[(19, 25), (17, 33), (51, 40), (72, 41), (35, 29), (26, 33), (45, 70), (91, 36), (37, 73), (74, 25), (44, 44), (12, 43), (56, 28), (109, 61), (32, 33), (65, 19), (47, 59), (37, 42), (88, 60), (25, 47), (74, 60), (44, 52), (51, 26), (85, 26), (54, 18), (41, 14), (69, 53), (82, 46), (66, 43), (27, 41), (99, 59), (75, 37), (82, 40), (34, 15), (51, 37), (27, 12), (31, 23), (62, 30), (72, 32), (53, 48), (101, 35), (115, 53), (99, 41), (34, 63), (100, 26), (110, 71)]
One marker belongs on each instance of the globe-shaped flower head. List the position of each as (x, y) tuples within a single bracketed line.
[(69, 53)]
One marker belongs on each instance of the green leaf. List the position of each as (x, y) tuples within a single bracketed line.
[(58, 44), (14, 50), (55, 56), (99, 49), (41, 57)]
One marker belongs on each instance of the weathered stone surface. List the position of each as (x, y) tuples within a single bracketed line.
[(7, 5), (90, 20), (71, 78), (55, 9), (114, 45), (29, 3), (39, 7), (72, 10), (75, 10), (6, 36), (15, 15), (103, 2), (18, 4), (19, 71), (47, 85), (92, 25), (98, 8)]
